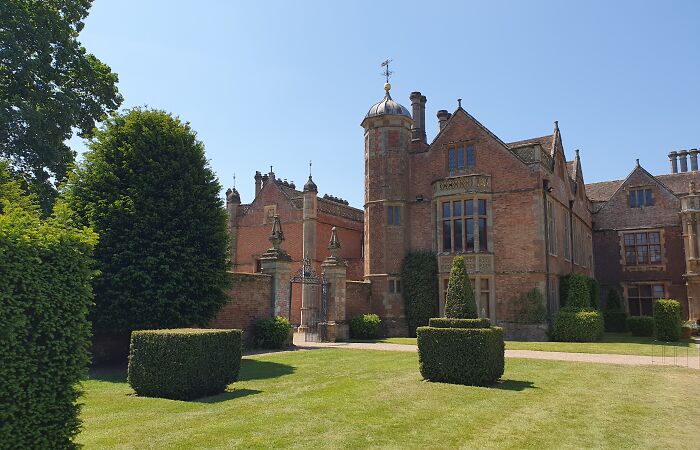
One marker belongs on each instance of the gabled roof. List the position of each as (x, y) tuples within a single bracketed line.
[(675, 182), (619, 185), (602, 191), (546, 142), (479, 124)]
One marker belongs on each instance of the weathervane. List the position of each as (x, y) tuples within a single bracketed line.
[(387, 73)]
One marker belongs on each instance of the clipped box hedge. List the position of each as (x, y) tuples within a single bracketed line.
[(615, 321), (641, 326), (667, 320), (365, 326), (470, 356), (184, 364), (442, 322), (275, 332), (573, 324)]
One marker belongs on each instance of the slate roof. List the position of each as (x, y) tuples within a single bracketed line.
[(676, 182), (544, 141)]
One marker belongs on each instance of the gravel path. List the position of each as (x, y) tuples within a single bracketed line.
[(693, 361)]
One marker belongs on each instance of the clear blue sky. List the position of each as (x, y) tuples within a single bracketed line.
[(282, 82)]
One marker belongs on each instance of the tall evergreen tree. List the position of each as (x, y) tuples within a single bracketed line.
[(460, 303), (49, 85), (146, 188)]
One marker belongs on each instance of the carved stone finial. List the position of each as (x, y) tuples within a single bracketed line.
[(232, 196), (334, 244), (277, 235), (637, 162)]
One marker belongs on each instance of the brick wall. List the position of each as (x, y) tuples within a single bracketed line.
[(358, 298), (250, 299), (616, 217)]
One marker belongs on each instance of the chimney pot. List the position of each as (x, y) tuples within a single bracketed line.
[(673, 157), (683, 155), (443, 116), (418, 105), (694, 159)]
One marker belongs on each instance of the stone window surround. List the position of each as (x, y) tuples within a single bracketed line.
[(660, 266), (399, 207), (475, 281), (627, 285), (394, 285), (459, 143), (567, 236), (551, 227), (489, 222), (629, 189)]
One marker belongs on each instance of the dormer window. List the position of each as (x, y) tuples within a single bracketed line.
[(639, 198), (460, 157)]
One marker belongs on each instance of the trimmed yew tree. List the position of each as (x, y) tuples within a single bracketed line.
[(146, 188), (615, 316), (421, 293), (578, 321), (460, 303), (461, 348), (45, 293)]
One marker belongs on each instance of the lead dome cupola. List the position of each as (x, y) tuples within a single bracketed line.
[(387, 106)]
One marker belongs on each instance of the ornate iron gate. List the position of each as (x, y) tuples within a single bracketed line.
[(317, 309)]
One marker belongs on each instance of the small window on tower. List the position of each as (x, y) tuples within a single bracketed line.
[(394, 215), (394, 286)]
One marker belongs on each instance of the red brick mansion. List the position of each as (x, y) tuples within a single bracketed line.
[(519, 212)]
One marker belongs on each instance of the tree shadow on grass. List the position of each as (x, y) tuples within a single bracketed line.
[(112, 373), (252, 369), (514, 385), (226, 396)]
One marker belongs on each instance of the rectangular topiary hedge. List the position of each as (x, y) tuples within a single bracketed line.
[(641, 326), (184, 364), (441, 322), (471, 356), (573, 324), (615, 321), (667, 320)]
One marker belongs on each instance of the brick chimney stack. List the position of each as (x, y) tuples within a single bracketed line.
[(418, 102), (694, 159), (443, 116), (683, 155), (258, 182), (673, 157)]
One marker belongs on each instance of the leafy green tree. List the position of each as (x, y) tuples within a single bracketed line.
[(460, 303), (49, 85), (146, 188), (419, 277)]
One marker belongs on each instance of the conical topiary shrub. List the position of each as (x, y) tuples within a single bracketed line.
[(462, 348), (460, 303), (614, 315), (579, 294)]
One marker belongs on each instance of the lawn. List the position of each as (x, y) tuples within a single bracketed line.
[(335, 398), (613, 343)]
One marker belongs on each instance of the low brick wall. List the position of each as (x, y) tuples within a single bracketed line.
[(358, 298), (524, 331), (250, 297)]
